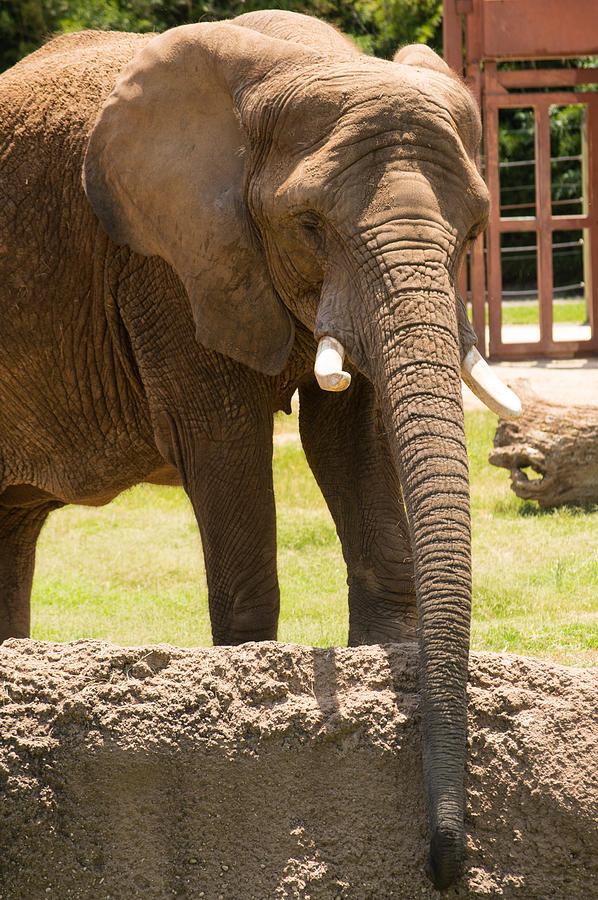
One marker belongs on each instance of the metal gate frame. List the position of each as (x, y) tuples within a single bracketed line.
[(477, 35), (544, 223)]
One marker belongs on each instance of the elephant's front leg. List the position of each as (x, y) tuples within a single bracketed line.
[(348, 452), (19, 529), (226, 464)]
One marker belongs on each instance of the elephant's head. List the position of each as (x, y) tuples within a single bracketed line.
[(281, 181)]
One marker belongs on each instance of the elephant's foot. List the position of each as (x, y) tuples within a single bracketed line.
[(246, 618), (232, 637)]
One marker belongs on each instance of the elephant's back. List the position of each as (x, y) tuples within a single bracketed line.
[(48, 105), (62, 85)]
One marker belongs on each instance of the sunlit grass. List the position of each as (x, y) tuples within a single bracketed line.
[(572, 311), (535, 573), (132, 572)]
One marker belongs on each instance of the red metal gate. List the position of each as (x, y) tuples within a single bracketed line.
[(479, 36), (542, 224)]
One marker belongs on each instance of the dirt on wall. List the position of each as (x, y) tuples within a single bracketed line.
[(271, 771)]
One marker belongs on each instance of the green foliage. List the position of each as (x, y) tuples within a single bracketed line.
[(384, 25), (378, 26), (27, 24)]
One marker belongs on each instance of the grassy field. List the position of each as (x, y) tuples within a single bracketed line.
[(132, 572), (572, 311)]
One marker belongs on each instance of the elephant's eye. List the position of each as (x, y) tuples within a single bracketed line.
[(311, 226)]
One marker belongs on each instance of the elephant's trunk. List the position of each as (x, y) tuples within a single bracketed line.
[(423, 407), (424, 414), (409, 348)]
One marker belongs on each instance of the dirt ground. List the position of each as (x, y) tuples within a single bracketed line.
[(560, 380), (273, 771)]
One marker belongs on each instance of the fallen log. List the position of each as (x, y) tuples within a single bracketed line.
[(557, 445), (274, 771)]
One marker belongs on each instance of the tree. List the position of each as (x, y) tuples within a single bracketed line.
[(377, 26)]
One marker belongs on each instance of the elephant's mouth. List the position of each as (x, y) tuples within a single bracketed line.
[(475, 372)]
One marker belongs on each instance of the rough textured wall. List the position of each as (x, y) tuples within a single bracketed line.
[(272, 771)]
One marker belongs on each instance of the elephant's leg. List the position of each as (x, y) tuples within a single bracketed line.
[(237, 520), (348, 453), (19, 530), (233, 499)]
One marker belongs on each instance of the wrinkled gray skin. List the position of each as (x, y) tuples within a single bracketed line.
[(250, 187)]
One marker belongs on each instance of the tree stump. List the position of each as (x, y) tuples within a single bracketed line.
[(559, 444)]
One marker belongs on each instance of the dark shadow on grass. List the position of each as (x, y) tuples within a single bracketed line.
[(531, 509)]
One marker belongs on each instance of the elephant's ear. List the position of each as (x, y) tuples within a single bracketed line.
[(164, 173), (422, 56)]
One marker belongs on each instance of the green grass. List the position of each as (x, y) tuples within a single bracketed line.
[(132, 572), (563, 311), (573, 312), (535, 573)]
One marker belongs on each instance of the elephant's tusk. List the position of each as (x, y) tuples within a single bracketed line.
[(478, 376), (328, 367)]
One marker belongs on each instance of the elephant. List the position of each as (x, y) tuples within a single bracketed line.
[(197, 224)]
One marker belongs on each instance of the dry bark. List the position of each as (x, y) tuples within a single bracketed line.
[(558, 443), (273, 771)]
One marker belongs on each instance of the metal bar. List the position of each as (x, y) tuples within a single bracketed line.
[(568, 287), (523, 223), (558, 223), (477, 280), (514, 165), (493, 267), (558, 98), (544, 212), (592, 274), (537, 78), (522, 248), (473, 34), (532, 162), (452, 36), (554, 349), (534, 293), (504, 206)]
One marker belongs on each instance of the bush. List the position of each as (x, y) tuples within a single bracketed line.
[(378, 26)]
